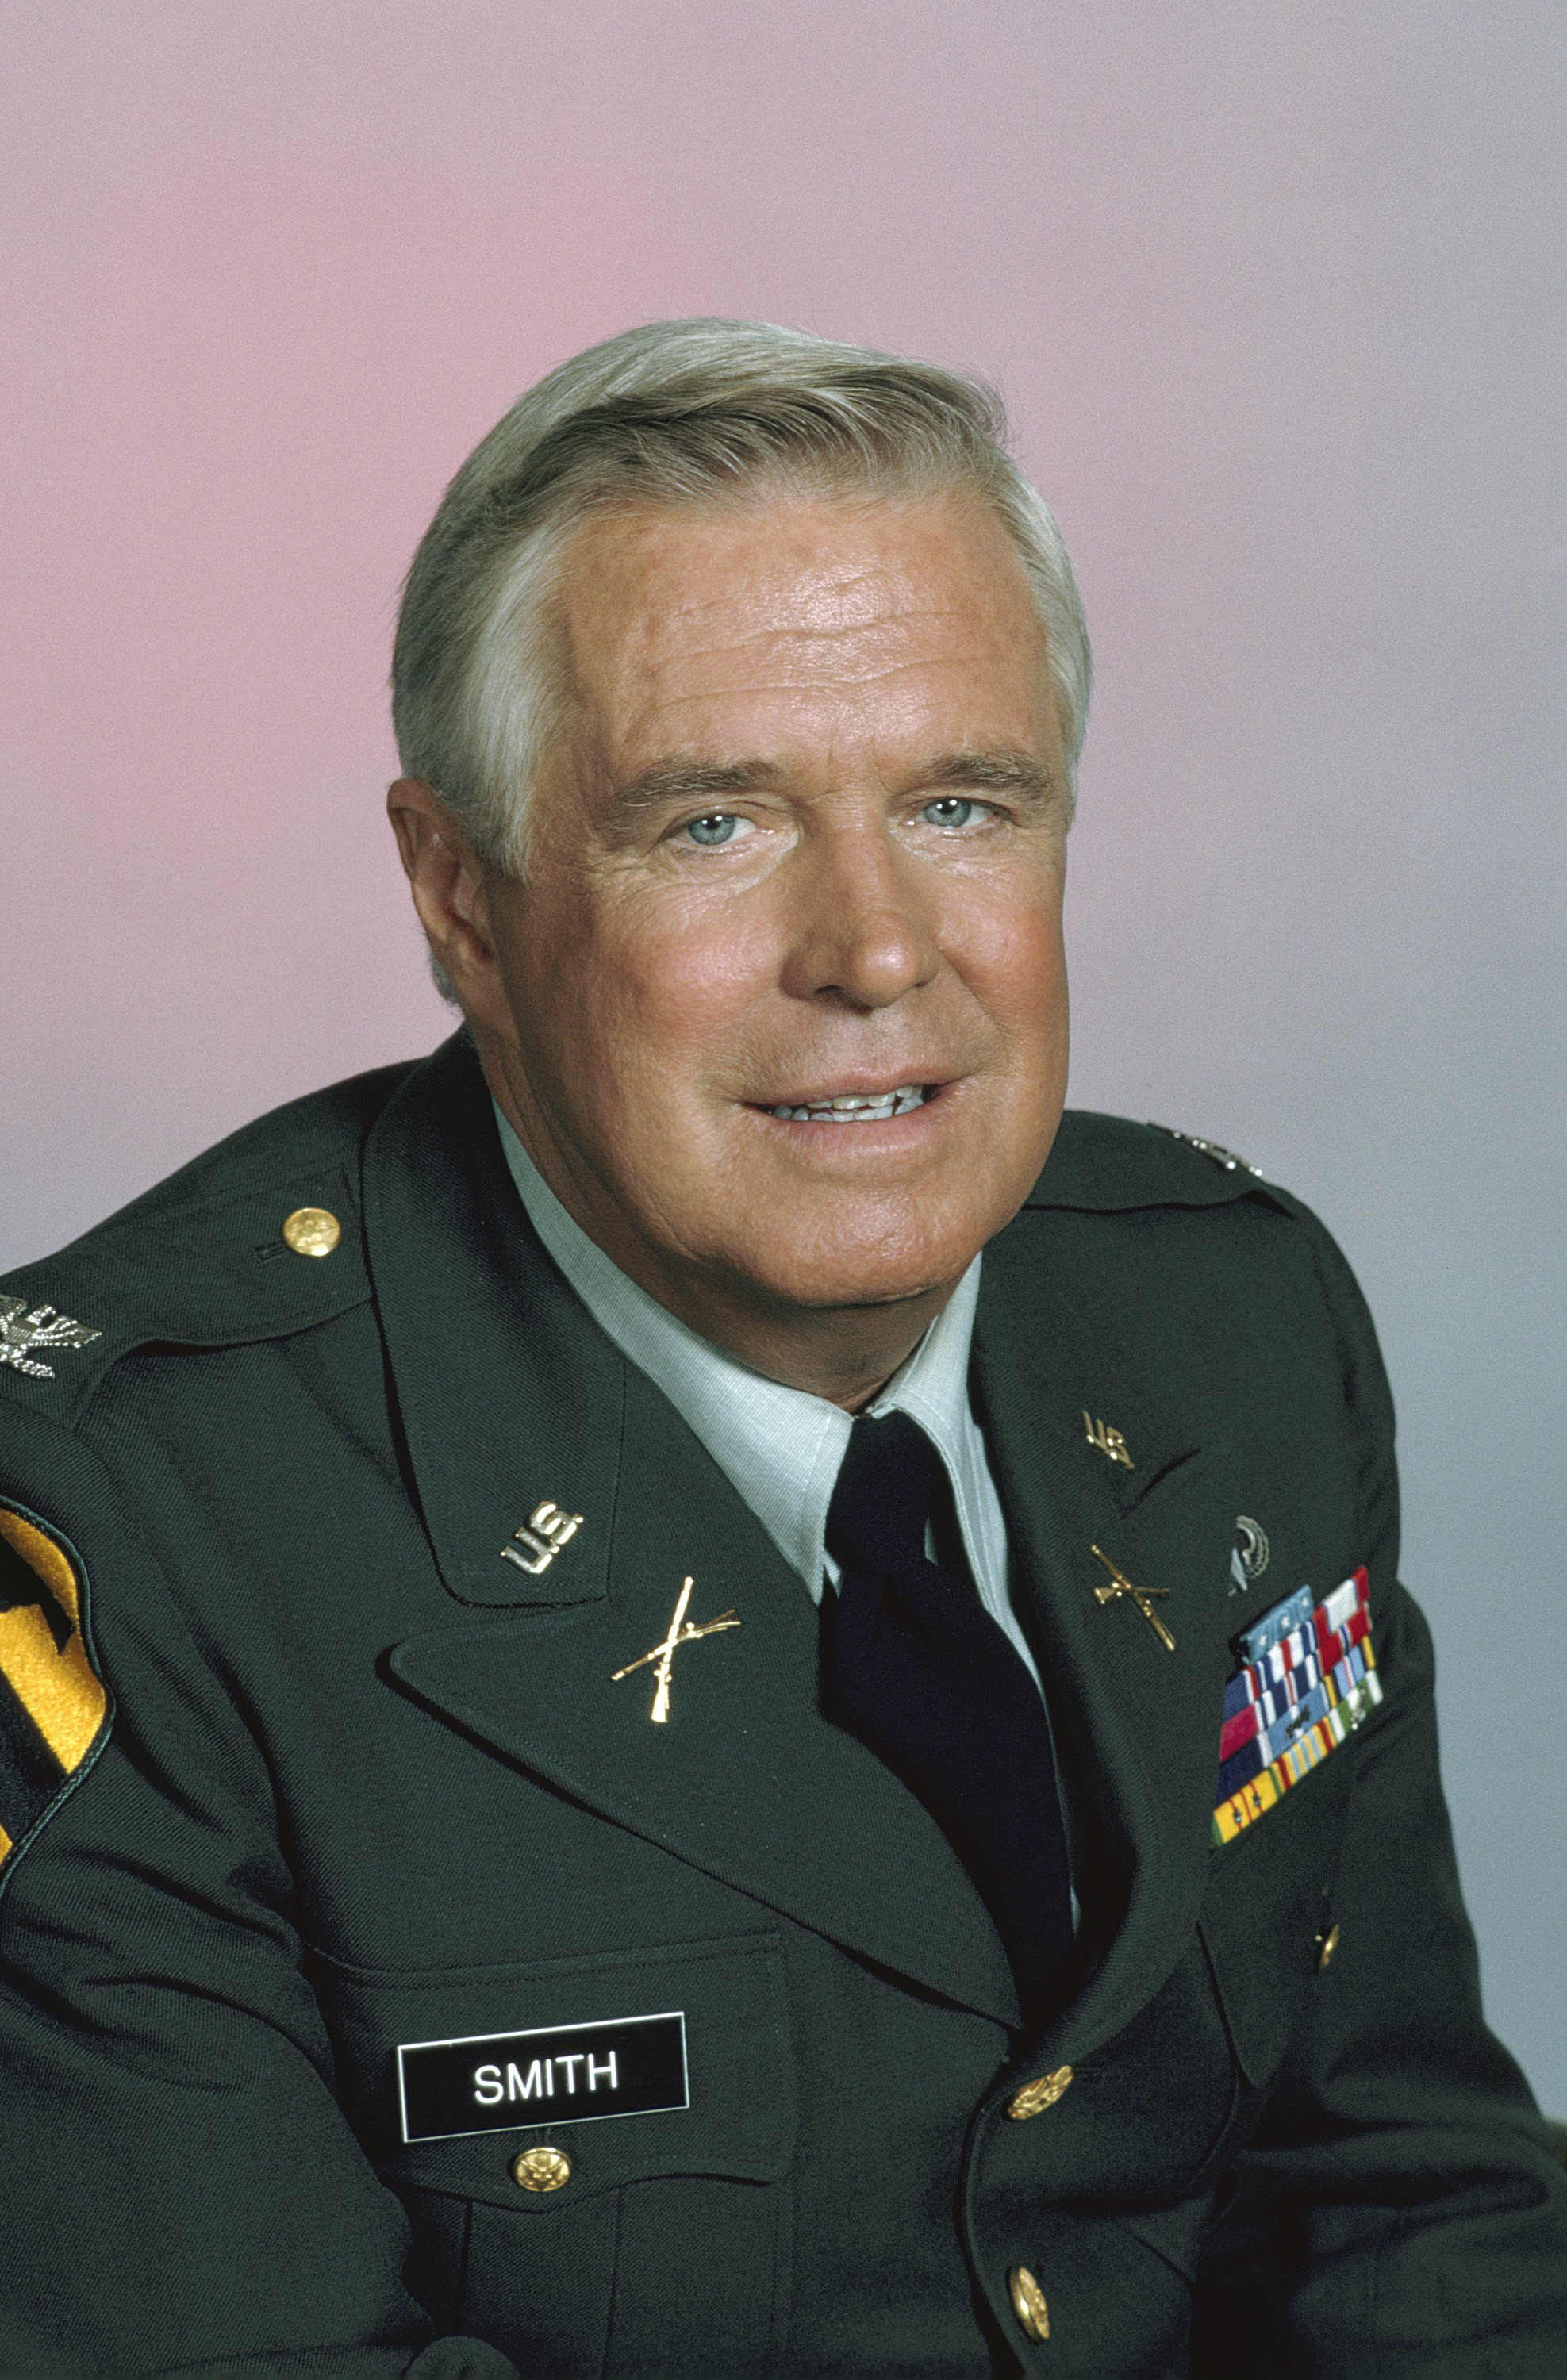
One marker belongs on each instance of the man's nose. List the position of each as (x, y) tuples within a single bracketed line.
[(863, 928)]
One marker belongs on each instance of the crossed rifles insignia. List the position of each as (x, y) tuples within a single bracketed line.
[(1143, 1596), (681, 1632)]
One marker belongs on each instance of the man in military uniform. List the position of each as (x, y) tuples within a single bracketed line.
[(695, 1689)]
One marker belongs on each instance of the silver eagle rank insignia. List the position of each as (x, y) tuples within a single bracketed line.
[(1226, 1158), (44, 1327)]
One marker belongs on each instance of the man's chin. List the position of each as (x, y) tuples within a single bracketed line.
[(813, 1280)]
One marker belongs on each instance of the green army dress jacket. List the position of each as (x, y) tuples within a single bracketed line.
[(302, 1772)]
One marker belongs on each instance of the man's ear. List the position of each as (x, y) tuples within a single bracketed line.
[(447, 883)]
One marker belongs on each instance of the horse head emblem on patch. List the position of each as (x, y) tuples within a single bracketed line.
[(53, 1706)]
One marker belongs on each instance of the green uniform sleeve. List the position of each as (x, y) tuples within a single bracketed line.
[(1399, 2212), (182, 2193)]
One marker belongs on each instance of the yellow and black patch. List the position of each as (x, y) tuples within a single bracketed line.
[(54, 1706)]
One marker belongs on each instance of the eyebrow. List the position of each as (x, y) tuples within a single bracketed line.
[(670, 782), (1004, 771), (667, 782)]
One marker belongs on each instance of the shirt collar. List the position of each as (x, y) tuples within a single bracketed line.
[(780, 1447)]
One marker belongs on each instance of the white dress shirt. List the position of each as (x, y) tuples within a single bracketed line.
[(780, 1448)]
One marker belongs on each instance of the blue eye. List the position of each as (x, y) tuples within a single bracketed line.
[(949, 810), (717, 827)]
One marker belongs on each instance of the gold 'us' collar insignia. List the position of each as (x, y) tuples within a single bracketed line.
[(44, 1327), (681, 1632), (541, 1536), (1109, 1441), (54, 1707)]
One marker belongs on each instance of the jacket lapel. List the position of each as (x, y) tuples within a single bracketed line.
[(1137, 1724), (492, 1368), (508, 1392)]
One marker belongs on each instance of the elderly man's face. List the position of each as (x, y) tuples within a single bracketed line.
[(784, 993)]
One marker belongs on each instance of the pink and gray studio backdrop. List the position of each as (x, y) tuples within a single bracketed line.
[(1275, 294)]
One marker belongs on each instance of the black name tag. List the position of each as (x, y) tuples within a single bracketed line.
[(568, 2074)]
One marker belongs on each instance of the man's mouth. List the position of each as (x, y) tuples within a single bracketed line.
[(858, 1107)]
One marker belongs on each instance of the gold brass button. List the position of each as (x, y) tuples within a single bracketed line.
[(541, 2170), (312, 1231), (1029, 2302), (1326, 1946), (1036, 2096)]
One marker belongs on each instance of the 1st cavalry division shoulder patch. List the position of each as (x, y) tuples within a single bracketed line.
[(1307, 1680), (54, 1707)]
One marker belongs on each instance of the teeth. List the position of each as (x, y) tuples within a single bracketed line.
[(853, 1107)]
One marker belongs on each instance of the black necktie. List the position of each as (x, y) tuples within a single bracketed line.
[(914, 1665)]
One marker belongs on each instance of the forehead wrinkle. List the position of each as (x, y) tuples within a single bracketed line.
[(857, 656), (902, 620), (845, 679), (790, 597)]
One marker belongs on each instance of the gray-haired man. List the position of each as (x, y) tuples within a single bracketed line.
[(665, 1706)]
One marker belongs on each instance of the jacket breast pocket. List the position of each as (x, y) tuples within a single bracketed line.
[(1269, 1900), (622, 2200)]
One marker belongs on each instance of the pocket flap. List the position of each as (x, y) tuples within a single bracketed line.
[(634, 2063)]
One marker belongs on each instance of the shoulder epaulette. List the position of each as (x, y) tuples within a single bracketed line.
[(1226, 1158), (1108, 1163), (257, 1237)]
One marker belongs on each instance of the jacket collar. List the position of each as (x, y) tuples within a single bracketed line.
[(508, 1392), (491, 1364)]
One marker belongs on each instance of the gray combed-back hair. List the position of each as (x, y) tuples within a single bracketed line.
[(698, 413)]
